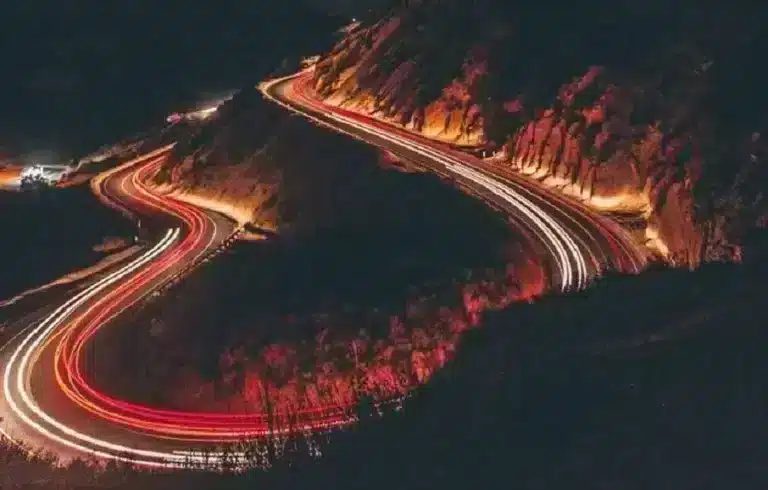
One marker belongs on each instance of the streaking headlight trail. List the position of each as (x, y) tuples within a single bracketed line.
[(48, 357)]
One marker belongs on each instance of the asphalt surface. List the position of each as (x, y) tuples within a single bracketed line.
[(47, 399), (576, 243), (35, 406)]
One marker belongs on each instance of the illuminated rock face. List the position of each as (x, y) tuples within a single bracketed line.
[(291, 177), (666, 126), (261, 166)]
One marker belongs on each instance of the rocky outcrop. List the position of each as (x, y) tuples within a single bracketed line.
[(642, 108), (259, 164), (352, 75), (380, 258), (266, 168)]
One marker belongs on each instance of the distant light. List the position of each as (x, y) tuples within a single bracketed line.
[(206, 112)]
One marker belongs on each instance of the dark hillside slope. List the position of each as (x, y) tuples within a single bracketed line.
[(651, 106), (638, 383), (84, 72)]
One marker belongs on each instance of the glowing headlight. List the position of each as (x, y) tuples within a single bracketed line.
[(33, 171)]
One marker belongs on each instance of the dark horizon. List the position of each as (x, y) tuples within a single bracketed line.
[(442, 244), (83, 76)]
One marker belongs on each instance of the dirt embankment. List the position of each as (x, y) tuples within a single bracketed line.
[(671, 128), (263, 167), (367, 255)]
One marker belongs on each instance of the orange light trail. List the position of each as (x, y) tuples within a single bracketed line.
[(580, 246)]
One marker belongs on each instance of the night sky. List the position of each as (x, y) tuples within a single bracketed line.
[(80, 73)]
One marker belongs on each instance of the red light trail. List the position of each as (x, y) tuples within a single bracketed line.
[(580, 246)]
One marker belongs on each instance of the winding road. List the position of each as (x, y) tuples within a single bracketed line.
[(576, 243), (47, 397)]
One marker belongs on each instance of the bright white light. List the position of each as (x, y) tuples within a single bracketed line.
[(568, 255)]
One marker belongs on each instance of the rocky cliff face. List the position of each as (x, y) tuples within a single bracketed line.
[(644, 108)]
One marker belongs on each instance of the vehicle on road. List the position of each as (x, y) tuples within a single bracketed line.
[(43, 175)]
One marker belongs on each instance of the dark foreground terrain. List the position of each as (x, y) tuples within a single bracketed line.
[(641, 382), (48, 233)]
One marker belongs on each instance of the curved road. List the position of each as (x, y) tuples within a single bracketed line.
[(42, 402), (47, 397), (577, 244)]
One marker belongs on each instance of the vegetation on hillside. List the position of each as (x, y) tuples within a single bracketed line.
[(650, 381), (651, 99), (369, 301)]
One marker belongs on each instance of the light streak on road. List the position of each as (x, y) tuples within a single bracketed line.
[(52, 353), (577, 259), (26, 408), (62, 338)]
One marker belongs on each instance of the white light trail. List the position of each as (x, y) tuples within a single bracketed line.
[(568, 257), (555, 237), (32, 342)]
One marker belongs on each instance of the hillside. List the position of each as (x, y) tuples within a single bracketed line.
[(368, 278), (642, 108), (268, 169), (366, 258), (634, 384)]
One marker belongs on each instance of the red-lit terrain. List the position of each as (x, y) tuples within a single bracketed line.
[(496, 183), (66, 406), (373, 308), (649, 132)]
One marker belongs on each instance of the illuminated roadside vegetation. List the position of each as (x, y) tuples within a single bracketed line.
[(644, 107), (360, 294), (649, 381)]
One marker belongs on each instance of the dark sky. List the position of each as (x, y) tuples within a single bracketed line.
[(79, 73)]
